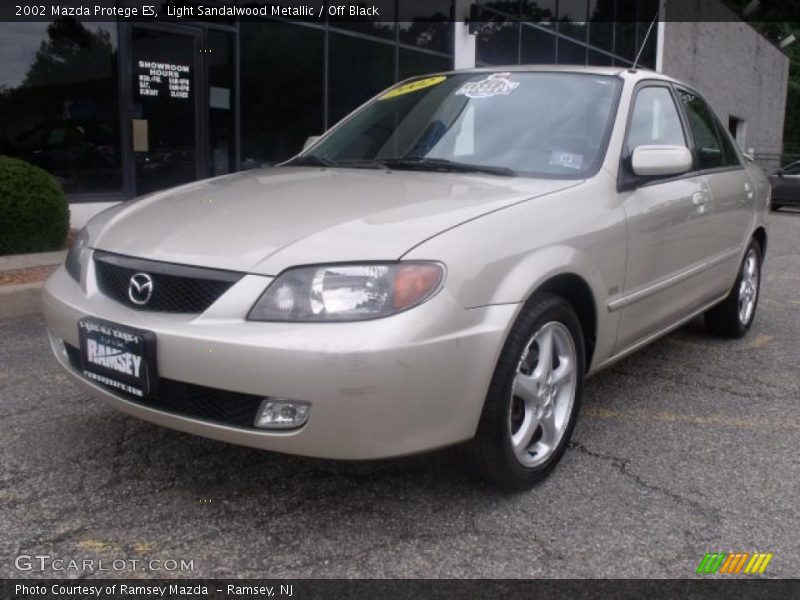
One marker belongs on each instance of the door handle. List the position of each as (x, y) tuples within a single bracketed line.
[(748, 190), (699, 198)]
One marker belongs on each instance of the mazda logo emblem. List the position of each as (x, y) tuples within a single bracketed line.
[(140, 288)]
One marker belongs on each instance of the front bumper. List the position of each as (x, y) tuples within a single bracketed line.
[(405, 384)]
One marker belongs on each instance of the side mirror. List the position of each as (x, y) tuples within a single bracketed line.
[(660, 161), (310, 141)]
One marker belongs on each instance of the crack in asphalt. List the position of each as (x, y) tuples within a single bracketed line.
[(622, 465)]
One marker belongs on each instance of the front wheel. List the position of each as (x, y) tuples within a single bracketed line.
[(734, 315), (533, 399)]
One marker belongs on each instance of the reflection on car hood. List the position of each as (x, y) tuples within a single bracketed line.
[(267, 220)]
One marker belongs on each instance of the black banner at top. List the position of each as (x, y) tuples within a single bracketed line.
[(321, 11)]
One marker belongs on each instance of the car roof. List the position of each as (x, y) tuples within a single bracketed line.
[(625, 72)]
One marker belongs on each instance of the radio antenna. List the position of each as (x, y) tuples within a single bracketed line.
[(644, 41)]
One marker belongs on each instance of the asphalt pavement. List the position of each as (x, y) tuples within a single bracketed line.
[(690, 446)]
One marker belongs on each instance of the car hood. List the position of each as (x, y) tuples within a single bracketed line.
[(266, 220)]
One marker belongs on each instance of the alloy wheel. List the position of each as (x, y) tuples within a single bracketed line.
[(748, 287), (543, 394)]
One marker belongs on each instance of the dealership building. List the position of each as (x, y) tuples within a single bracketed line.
[(118, 109)]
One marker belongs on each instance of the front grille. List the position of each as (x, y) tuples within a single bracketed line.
[(186, 399), (175, 288)]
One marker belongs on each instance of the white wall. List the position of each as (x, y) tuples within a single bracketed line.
[(464, 42), (80, 212)]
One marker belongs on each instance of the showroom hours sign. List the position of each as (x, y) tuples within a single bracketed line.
[(159, 79)]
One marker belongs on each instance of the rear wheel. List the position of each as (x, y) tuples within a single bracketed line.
[(734, 315), (534, 397)]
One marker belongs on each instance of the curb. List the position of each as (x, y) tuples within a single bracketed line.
[(16, 262), (24, 299)]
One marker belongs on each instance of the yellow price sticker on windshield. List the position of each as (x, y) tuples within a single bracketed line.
[(413, 86)]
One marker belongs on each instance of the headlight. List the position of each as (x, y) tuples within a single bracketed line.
[(77, 254), (347, 292)]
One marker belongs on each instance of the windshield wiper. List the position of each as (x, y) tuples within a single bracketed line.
[(411, 164), (311, 160), (314, 160), (363, 163), (443, 164)]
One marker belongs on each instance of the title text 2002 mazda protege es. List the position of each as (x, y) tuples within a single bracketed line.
[(446, 265)]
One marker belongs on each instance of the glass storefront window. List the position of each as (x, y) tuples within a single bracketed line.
[(282, 97), (59, 99), (647, 45), (593, 32), (164, 107), (538, 46), (572, 18), (497, 40), (425, 23), (601, 24), (648, 9), (358, 69), (625, 30), (571, 53), (419, 63), (600, 59), (221, 103), (539, 11), (508, 7)]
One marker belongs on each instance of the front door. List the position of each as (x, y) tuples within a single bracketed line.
[(165, 123), (668, 229)]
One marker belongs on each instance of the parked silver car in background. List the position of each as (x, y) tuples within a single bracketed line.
[(444, 267)]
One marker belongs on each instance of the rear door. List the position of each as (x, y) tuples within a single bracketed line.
[(733, 195), (668, 221)]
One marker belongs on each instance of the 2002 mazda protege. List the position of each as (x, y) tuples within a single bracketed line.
[(446, 265)]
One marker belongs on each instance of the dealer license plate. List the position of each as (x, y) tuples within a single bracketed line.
[(118, 357)]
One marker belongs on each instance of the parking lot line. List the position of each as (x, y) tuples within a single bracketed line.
[(715, 419)]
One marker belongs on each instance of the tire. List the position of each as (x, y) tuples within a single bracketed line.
[(515, 404), (733, 316)]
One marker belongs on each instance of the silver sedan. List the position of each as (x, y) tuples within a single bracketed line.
[(444, 267)]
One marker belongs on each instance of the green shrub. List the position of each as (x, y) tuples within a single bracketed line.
[(34, 215)]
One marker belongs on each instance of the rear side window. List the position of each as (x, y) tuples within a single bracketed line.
[(712, 147), (655, 120)]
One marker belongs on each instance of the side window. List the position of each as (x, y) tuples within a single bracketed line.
[(731, 156), (712, 149), (655, 120)]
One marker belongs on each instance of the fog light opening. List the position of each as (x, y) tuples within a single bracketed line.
[(279, 413), (59, 345)]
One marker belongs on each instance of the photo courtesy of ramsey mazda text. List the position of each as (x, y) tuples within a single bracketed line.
[(443, 268)]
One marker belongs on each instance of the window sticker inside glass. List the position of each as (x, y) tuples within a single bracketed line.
[(569, 160), (496, 84), (414, 86)]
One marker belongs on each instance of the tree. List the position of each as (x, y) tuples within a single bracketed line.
[(69, 54)]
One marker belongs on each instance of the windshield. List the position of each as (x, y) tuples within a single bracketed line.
[(533, 124)]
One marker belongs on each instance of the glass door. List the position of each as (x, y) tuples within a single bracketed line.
[(165, 128)]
